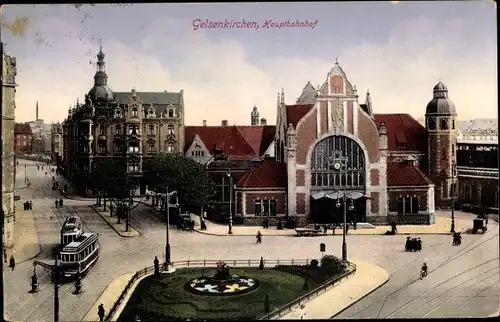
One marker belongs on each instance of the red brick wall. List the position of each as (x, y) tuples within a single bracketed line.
[(280, 198), (336, 84), (350, 124), (368, 133), (306, 135), (374, 177), (323, 108), (301, 203), (301, 178), (421, 193), (375, 197)]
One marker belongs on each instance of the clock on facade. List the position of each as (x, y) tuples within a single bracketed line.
[(337, 165)]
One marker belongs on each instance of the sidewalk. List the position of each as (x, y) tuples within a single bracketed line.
[(108, 297), (112, 222), (441, 226), (365, 280), (26, 241)]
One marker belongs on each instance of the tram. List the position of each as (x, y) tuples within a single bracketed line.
[(78, 257), (71, 229)]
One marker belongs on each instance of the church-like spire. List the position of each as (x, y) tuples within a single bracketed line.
[(100, 78), (36, 110)]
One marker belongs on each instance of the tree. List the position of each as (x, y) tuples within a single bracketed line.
[(174, 171)]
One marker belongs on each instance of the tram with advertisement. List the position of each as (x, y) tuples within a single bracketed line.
[(79, 256), (71, 230)]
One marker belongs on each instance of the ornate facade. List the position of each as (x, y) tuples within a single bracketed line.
[(130, 126), (9, 72)]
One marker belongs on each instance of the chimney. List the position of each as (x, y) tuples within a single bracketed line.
[(204, 122), (223, 123), (263, 122)]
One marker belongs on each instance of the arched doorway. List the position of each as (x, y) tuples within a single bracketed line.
[(338, 169)]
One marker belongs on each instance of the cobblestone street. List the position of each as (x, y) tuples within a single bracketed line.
[(475, 260)]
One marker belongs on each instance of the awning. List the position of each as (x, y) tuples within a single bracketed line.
[(338, 194)]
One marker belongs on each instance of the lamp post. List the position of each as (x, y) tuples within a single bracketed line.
[(167, 226), (25, 175), (340, 164), (230, 231), (452, 229)]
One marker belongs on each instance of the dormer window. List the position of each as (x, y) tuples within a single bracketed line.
[(118, 113), (171, 112), (151, 113), (134, 112), (170, 129)]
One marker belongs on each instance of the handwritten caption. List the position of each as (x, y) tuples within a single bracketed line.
[(246, 24)]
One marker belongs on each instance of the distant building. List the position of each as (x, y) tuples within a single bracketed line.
[(9, 72), (24, 138), (124, 126), (57, 142), (41, 134)]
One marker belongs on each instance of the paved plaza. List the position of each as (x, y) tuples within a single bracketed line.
[(463, 281)]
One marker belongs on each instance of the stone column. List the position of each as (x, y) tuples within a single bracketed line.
[(292, 170)]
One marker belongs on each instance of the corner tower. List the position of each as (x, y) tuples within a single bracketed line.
[(440, 122), (254, 116)]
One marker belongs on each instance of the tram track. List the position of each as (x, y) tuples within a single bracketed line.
[(411, 281), (442, 283)]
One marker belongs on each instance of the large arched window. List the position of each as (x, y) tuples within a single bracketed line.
[(348, 154)]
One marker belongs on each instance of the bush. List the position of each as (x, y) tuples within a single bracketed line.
[(314, 263), (280, 225), (332, 265)]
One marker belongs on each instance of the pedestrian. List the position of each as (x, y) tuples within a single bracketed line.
[(303, 311), (259, 238), (157, 266), (325, 230), (57, 203), (60, 202), (31, 205), (12, 263), (419, 244), (394, 229), (459, 239), (408, 244), (101, 312)]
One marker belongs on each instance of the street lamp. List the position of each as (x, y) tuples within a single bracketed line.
[(25, 175), (56, 273), (454, 169), (230, 232), (340, 164), (167, 228)]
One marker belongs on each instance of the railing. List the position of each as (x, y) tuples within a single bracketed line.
[(200, 263), (310, 295)]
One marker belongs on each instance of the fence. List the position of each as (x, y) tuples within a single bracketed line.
[(200, 263), (310, 295)]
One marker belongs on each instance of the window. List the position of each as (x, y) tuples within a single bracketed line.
[(197, 153), (408, 205), (151, 130), (170, 147), (118, 129), (133, 166), (102, 148), (170, 129), (118, 113), (102, 129), (134, 112), (133, 129), (118, 147), (452, 124), (444, 124), (171, 112), (133, 147), (431, 123), (258, 207), (453, 149), (151, 147), (266, 207)]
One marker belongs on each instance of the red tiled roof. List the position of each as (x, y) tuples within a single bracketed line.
[(22, 128), (268, 174), (404, 133), (402, 174), (238, 142), (294, 113)]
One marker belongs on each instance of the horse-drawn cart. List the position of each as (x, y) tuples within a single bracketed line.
[(480, 223)]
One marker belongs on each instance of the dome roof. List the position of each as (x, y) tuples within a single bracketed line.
[(101, 93), (441, 104)]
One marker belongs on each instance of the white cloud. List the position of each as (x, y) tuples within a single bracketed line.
[(219, 82)]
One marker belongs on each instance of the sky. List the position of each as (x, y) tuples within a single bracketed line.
[(397, 51)]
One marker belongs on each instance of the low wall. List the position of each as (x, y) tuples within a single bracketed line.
[(409, 219)]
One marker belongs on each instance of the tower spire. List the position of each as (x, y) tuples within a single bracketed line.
[(36, 110), (100, 78)]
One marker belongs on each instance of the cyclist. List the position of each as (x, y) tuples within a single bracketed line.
[(423, 271)]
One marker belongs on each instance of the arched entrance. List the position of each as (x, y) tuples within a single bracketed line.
[(338, 169)]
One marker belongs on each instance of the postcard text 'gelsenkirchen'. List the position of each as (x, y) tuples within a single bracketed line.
[(246, 24)]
